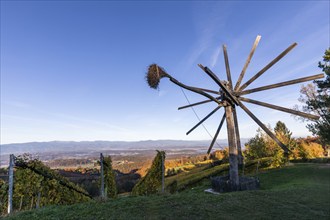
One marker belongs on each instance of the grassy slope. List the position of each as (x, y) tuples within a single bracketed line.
[(301, 191)]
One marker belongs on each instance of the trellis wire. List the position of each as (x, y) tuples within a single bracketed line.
[(199, 118)]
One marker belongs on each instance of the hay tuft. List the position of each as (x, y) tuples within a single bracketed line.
[(154, 74)]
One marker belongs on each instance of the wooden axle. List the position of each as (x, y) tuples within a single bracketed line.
[(217, 80)]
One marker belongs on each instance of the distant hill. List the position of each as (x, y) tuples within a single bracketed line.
[(72, 149), (83, 146)]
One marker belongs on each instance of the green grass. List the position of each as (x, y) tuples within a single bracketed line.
[(300, 191), (198, 174)]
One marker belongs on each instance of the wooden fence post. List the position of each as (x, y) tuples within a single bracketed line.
[(257, 171), (38, 200), (11, 183), (102, 177)]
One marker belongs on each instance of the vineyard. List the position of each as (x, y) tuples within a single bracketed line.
[(35, 185), (295, 192)]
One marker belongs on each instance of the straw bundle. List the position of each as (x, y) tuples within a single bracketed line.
[(154, 74)]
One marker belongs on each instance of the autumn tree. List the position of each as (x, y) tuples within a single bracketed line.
[(316, 99)]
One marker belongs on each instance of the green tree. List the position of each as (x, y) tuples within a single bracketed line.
[(285, 136), (109, 178), (262, 145), (257, 147), (152, 181), (316, 98)]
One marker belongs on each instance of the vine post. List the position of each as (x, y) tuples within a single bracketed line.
[(163, 172), (11, 183), (102, 176)]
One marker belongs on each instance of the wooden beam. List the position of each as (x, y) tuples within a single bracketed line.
[(208, 90), (240, 78), (281, 84), (193, 90), (216, 133), (269, 65), (227, 66), (217, 80), (280, 108), (286, 150), (206, 117)]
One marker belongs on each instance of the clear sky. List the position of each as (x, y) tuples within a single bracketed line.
[(74, 70)]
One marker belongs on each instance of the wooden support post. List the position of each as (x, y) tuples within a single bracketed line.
[(102, 177), (233, 161), (11, 183), (240, 157)]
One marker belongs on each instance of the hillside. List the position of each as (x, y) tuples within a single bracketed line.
[(300, 191)]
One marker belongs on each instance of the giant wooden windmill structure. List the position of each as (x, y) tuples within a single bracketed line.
[(230, 97)]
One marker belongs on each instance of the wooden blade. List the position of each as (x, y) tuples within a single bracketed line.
[(240, 78), (216, 133), (286, 83), (206, 117), (287, 110), (227, 66), (197, 103), (196, 90), (267, 67), (217, 80), (263, 127)]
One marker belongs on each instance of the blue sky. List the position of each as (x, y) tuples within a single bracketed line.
[(74, 70)]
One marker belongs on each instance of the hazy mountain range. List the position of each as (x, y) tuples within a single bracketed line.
[(87, 146), (64, 149)]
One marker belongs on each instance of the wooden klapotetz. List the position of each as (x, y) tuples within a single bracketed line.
[(230, 97)]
